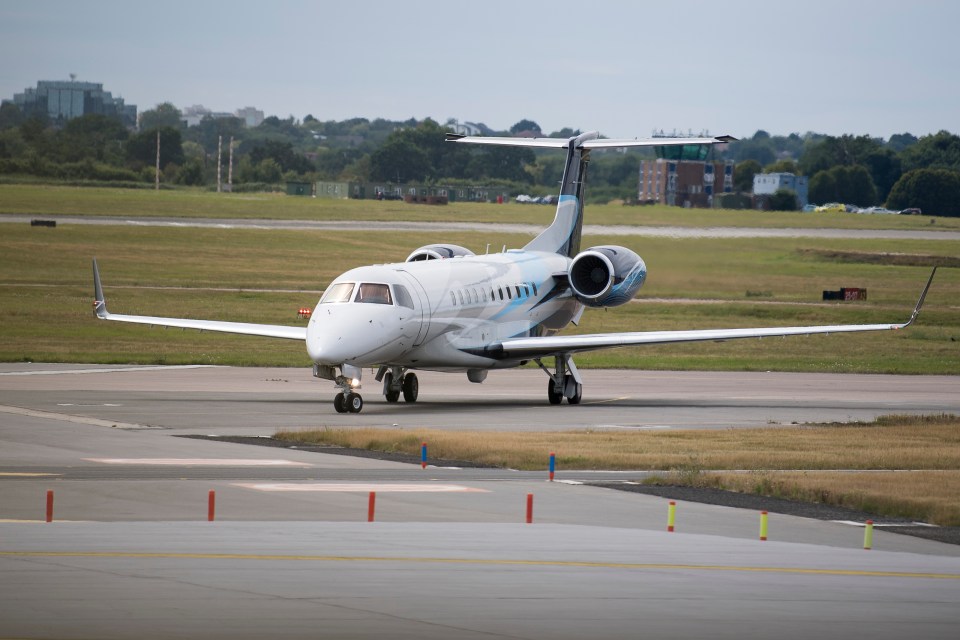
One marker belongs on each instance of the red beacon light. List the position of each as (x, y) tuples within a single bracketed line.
[(304, 312)]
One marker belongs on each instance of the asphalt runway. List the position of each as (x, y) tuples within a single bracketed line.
[(526, 229), (290, 554), (258, 401)]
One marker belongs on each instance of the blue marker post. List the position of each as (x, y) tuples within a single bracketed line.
[(423, 455), (553, 464)]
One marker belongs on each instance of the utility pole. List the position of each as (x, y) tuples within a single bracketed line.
[(230, 170), (219, 150), (157, 179)]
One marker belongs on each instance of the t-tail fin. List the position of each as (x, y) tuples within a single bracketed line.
[(563, 235)]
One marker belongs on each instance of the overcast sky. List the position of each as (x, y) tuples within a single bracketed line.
[(621, 67)]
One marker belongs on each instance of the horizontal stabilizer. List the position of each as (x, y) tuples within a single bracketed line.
[(596, 143)]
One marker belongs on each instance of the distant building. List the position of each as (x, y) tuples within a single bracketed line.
[(464, 128), (253, 117), (684, 183), (683, 176), (766, 184), (193, 114), (61, 100)]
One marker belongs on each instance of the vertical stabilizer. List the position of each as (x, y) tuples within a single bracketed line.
[(563, 235)]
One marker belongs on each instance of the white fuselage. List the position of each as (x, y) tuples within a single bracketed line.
[(441, 314)]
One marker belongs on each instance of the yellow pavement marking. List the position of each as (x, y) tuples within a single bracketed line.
[(479, 561), (17, 474)]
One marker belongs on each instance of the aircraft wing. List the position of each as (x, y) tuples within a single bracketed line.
[(553, 345), (244, 328)]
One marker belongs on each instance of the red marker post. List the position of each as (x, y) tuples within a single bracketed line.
[(553, 464), (211, 505), (371, 506), (529, 508), (49, 506)]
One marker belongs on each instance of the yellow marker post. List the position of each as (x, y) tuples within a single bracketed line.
[(763, 525), (671, 515), (868, 535)]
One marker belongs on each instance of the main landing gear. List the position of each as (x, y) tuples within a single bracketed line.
[(565, 381), (397, 381)]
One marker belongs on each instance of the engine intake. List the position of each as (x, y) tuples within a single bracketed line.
[(438, 252), (606, 276)]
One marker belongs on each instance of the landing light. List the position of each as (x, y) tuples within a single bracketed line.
[(355, 382)]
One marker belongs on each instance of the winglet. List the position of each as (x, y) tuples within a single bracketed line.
[(916, 310), (99, 303)]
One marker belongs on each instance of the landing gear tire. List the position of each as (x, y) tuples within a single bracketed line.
[(392, 395), (411, 387), (575, 398), (553, 396), (340, 403), (354, 402)]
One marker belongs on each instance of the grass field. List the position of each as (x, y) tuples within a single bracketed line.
[(265, 276), (45, 296), (796, 463), (39, 200)]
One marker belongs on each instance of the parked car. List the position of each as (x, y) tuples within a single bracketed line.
[(807, 208), (876, 210), (912, 211), (832, 207)]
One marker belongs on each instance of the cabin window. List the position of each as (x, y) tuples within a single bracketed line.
[(518, 292), (493, 295), (340, 292), (535, 288), (509, 295), (453, 298), (374, 293), (404, 299), (501, 293), (460, 295)]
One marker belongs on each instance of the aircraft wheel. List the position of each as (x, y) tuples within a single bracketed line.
[(391, 394), (552, 395), (354, 402), (340, 403), (575, 398), (411, 387)]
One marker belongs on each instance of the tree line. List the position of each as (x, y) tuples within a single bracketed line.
[(904, 171)]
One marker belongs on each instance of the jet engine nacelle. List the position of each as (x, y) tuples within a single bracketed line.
[(606, 276), (438, 252)]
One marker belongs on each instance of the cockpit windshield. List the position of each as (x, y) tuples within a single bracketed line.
[(374, 293), (341, 292)]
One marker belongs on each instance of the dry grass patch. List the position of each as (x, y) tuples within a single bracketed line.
[(904, 442), (927, 496), (905, 466)]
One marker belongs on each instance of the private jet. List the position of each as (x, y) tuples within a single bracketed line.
[(446, 309)]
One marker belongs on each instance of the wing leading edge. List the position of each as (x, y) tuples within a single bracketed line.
[(553, 345), (244, 328)]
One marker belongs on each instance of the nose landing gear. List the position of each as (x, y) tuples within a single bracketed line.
[(348, 402)]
